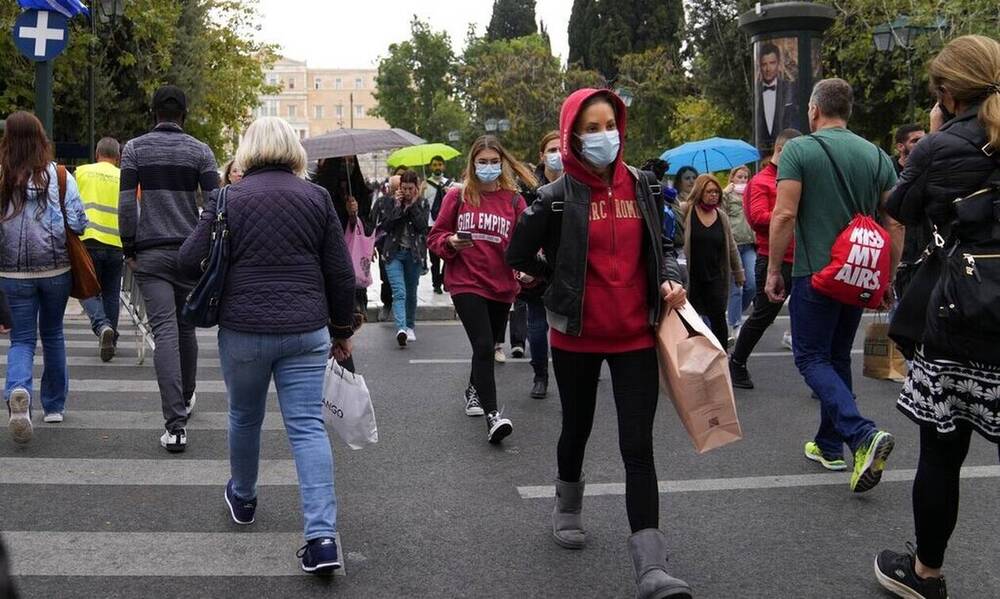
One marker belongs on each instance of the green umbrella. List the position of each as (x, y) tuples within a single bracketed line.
[(420, 155)]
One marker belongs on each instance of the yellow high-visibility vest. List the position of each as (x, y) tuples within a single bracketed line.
[(98, 185)]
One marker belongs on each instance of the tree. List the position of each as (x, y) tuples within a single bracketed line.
[(511, 19), (518, 80), (204, 46), (699, 118), (600, 32), (658, 85), (414, 73)]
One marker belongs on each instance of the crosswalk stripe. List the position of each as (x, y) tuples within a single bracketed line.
[(92, 344), (176, 472), (156, 553), (751, 482), (136, 386), (124, 420), (121, 361)]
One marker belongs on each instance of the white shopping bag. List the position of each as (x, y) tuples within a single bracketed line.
[(347, 406)]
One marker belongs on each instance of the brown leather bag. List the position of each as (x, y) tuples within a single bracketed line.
[(85, 284)]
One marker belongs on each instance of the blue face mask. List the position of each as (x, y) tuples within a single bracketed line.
[(553, 160), (600, 148), (488, 173)]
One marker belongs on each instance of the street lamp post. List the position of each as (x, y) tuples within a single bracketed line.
[(626, 95), (901, 33), (491, 125), (105, 11), (454, 136)]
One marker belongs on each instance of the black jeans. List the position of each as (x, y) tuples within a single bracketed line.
[(386, 292), (764, 311), (103, 310), (482, 319), (437, 270), (936, 490), (518, 324), (710, 298), (635, 381)]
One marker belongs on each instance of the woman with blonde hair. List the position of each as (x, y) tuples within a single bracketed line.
[(953, 384), (711, 252), (288, 291), (471, 234), (740, 297)]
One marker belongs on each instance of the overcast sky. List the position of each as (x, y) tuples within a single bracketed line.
[(354, 33)]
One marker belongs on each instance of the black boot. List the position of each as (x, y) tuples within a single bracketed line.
[(740, 375), (541, 388)]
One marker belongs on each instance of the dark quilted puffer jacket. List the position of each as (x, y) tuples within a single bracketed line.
[(289, 268)]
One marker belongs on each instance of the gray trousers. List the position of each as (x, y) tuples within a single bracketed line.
[(176, 357)]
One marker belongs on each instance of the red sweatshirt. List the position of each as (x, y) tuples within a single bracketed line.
[(762, 194), (615, 310), (480, 269)]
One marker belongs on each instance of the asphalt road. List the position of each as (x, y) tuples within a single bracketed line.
[(95, 508)]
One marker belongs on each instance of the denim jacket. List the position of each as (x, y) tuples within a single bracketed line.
[(36, 242)]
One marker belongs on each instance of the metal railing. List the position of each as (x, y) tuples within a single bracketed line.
[(133, 303)]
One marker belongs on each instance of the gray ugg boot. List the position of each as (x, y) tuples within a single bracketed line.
[(567, 523), (648, 548)]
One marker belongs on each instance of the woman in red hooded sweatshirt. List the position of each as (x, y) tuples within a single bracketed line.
[(608, 268), (471, 234)]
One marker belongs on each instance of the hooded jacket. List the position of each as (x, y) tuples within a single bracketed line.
[(605, 252)]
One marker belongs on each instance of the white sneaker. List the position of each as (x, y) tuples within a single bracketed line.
[(499, 356), (472, 405), (53, 418), (20, 415), (174, 441), (189, 404), (410, 335), (786, 340)]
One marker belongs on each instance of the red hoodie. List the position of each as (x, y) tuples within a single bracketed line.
[(480, 269), (615, 312), (761, 196)]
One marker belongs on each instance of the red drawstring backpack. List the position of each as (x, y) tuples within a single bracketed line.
[(859, 270)]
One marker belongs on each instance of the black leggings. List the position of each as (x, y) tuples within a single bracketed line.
[(635, 380), (709, 298), (936, 490), (483, 320)]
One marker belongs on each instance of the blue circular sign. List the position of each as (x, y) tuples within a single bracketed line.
[(41, 35)]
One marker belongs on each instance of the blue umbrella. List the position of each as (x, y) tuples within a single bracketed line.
[(69, 8), (710, 155)]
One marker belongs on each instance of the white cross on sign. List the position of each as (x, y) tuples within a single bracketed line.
[(41, 33)]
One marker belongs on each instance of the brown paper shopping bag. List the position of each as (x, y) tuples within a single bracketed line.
[(694, 372), (883, 360)]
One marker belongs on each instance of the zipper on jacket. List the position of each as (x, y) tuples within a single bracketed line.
[(970, 264)]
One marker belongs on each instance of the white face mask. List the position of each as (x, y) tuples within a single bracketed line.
[(739, 187)]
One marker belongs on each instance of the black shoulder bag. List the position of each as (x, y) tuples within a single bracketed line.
[(203, 303)]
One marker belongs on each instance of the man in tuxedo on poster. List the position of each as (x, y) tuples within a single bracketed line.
[(777, 101)]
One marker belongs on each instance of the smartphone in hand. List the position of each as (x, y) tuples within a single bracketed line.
[(464, 235)]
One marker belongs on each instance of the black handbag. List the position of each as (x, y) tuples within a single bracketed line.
[(201, 308)]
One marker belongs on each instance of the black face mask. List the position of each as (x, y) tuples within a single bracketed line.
[(437, 173)]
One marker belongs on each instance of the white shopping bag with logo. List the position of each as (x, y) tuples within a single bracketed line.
[(347, 406)]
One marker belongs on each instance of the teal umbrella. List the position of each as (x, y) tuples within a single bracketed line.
[(420, 155)]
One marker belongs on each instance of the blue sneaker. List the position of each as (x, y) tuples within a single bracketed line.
[(319, 555), (241, 510)]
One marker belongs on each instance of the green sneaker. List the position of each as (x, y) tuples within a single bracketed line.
[(869, 461), (813, 453)]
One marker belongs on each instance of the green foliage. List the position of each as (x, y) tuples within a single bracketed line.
[(511, 19), (601, 31), (700, 118), (516, 79), (204, 46), (657, 83), (410, 79)]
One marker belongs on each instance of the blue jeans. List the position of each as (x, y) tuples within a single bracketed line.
[(740, 299), (37, 307), (823, 332), (297, 362), (538, 338), (404, 275), (103, 309)]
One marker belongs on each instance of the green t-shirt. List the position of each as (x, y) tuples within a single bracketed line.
[(824, 210)]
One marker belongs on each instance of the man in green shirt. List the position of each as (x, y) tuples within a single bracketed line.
[(813, 204)]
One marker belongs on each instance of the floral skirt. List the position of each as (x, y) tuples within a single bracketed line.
[(941, 392)]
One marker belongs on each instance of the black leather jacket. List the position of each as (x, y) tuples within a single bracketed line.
[(558, 222)]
